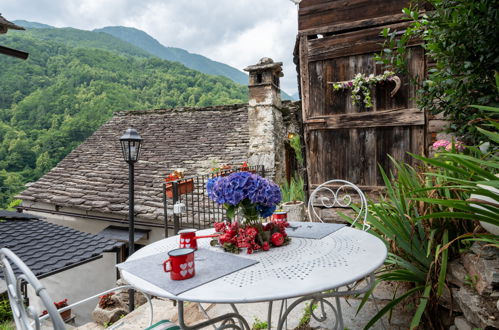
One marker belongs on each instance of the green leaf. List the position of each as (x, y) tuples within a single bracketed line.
[(423, 301), (231, 211), (485, 108), (443, 265), (491, 135), (391, 305)]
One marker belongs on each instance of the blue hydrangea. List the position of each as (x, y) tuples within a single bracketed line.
[(236, 187)]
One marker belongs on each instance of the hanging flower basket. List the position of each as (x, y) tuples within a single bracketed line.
[(184, 187)]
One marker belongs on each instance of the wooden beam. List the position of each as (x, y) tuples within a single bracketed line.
[(352, 43), (389, 118), (13, 52), (350, 26), (314, 14)]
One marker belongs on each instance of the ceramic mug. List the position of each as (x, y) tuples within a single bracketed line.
[(188, 238), (181, 263)]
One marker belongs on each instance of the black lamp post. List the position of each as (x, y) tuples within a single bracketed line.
[(130, 145)]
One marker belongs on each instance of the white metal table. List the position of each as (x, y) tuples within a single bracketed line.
[(306, 268)]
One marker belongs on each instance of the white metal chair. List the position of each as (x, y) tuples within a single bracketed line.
[(339, 194), (26, 317)]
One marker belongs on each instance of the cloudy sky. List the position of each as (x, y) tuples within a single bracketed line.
[(236, 32)]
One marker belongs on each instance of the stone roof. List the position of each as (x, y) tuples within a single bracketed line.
[(94, 176), (46, 247)]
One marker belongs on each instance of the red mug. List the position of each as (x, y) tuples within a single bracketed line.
[(280, 215), (188, 238), (181, 264)]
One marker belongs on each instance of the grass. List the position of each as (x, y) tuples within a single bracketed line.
[(259, 325), (7, 325)]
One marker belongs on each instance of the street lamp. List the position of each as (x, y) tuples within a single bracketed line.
[(130, 145)]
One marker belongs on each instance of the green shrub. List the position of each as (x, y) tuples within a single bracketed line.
[(5, 311), (7, 325), (460, 37), (424, 218), (293, 190)]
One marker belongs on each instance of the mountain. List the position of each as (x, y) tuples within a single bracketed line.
[(80, 38), (32, 25), (194, 61), (138, 43), (67, 88)]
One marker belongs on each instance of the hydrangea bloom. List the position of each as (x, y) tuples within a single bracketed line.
[(458, 146), (247, 188), (440, 144)]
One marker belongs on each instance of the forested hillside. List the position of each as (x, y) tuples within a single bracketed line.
[(194, 61), (54, 100)]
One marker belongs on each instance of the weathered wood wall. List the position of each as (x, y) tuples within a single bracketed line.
[(338, 39)]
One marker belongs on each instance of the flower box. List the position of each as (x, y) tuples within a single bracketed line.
[(66, 314), (184, 187)]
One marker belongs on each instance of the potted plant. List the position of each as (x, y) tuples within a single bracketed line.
[(220, 169), (248, 200), (61, 304), (184, 185), (293, 197), (109, 309)]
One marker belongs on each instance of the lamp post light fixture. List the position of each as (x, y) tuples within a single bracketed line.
[(130, 145)]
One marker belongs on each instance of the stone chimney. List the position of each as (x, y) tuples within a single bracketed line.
[(265, 121)]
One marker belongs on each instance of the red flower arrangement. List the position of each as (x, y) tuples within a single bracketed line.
[(244, 167), (173, 176), (107, 300), (234, 236), (185, 185), (60, 304)]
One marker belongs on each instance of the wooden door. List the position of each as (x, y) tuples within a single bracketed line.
[(345, 141)]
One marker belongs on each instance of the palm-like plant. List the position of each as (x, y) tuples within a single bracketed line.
[(424, 213)]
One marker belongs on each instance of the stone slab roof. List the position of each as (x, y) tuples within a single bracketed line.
[(46, 247), (94, 177)]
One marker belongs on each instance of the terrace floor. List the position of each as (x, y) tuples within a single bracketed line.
[(164, 309)]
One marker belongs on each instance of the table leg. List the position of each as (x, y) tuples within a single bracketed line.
[(269, 316), (321, 298), (224, 319)]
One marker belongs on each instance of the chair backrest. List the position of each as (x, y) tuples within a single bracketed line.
[(337, 193), (26, 317)]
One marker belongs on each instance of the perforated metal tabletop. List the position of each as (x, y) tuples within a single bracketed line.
[(303, 267)]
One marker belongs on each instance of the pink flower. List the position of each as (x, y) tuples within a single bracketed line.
[(440, 144), (458, 146)]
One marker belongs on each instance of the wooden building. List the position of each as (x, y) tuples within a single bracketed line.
[(336, 40)]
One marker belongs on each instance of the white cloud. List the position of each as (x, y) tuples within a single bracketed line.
[(236, 32)]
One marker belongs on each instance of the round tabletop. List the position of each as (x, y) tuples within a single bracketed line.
[(305, 266)]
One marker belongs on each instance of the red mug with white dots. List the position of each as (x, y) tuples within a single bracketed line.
[(181, 263)]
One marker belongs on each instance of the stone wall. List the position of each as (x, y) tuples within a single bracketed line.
[(473, 282)]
